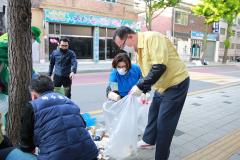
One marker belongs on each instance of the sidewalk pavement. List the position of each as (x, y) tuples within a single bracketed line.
[(104, 66), (209, 127)]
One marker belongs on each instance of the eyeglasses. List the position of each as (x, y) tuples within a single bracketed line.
[(124, 66)]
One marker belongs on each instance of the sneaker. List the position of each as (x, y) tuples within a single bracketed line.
[(143, 145)]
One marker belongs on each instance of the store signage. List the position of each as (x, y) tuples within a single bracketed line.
[(216, 27), (200, 35), (58, 16)]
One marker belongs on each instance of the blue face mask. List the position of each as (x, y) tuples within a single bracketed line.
[(122, 71)]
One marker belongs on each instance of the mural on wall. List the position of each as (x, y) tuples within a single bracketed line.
[(57, 16)]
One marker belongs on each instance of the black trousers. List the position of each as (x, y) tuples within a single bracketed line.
[(163, 117), (64, 81)]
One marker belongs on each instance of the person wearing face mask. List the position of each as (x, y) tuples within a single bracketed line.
[(163, 70), (123, 76), (65, 63)]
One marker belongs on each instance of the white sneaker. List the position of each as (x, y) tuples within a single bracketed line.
[(143, 145)]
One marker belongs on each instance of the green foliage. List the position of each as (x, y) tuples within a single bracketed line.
[(155, 5), (227, 43)]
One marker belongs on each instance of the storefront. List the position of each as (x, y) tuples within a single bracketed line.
[(197, 45), (90, 35)]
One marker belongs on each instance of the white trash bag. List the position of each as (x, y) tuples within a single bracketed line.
[(124, 120)]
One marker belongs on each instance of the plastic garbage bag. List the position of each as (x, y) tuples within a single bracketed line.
[(124, 119)]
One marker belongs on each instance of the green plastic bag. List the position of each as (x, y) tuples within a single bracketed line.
[(59, 90)]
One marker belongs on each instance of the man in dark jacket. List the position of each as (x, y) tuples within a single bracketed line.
[(65, 63), (53, 123)]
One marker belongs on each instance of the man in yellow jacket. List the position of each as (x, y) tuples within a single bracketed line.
[(163, 71)]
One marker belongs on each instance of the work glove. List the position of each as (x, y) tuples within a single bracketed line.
[(135, 91), (114, 96)]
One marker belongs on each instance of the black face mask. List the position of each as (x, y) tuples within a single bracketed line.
[(63, 50)]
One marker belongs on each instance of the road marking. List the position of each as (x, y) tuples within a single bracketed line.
[(223, 148), (213, 78)]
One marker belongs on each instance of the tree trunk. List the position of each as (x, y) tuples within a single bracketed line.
[(204, 44), (20, 63), (225, 57)]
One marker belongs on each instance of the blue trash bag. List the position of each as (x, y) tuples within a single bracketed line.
[(90, 121)]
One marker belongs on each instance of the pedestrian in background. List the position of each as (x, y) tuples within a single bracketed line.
[(64, 62), (123, 76), (163, 69)]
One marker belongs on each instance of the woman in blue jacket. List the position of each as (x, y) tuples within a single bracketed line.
[(123, 77)]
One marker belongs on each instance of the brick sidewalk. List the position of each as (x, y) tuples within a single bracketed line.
[(208, 128)]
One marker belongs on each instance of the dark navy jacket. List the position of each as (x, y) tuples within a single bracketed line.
[(64, 63), (59, 130)]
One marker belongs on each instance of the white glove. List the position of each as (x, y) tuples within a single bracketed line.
[(135, 91), (113, 96), (71, 76)]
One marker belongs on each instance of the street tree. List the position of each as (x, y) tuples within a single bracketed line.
[(153, 6), (228, 10), (211, 15), (20, 62)]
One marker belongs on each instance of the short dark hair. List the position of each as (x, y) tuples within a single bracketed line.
[(122, 57), (122, 32), (41, 84), (64, 40)]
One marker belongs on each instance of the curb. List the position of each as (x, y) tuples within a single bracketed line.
[(109, 69)]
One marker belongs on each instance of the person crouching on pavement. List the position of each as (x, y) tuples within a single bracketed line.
[(52, 122)]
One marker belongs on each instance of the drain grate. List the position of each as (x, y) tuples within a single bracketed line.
[(225, 96), (199, 97), (227, 102), (196, 104)]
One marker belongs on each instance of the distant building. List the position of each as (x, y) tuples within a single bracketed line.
[(89, 24)]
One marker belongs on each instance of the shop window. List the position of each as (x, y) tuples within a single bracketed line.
[(222, 31), (181, 18), (110, 32), (54, 28), (237, 46), (76, 30), (111, 49), (238, 35), (102, 49), (53, 44), (82, 46), (102, 32)]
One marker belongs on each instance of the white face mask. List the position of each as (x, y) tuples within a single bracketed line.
[(121, 71), (128, 49)]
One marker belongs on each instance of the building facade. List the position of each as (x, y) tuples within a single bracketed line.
[(186, 31), (89, 25), (234, 50)]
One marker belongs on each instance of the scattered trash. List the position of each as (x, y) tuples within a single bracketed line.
[(89, 120)]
